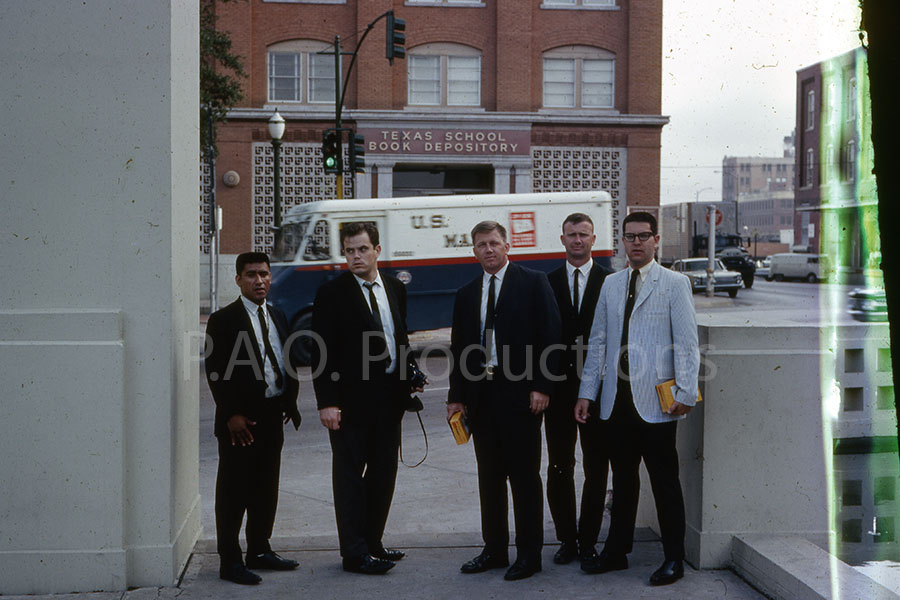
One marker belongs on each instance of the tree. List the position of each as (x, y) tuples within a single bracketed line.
[(221, 71)]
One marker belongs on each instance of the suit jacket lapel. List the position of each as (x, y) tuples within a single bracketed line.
[(360, 302), (648, 286), (395, 312)]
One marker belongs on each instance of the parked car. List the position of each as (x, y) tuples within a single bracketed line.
[(811, 267), (695, 269), (738, 259), (867, 304), (762, 267)]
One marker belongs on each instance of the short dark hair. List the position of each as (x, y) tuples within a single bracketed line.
[(487, 227), (250, 257), (357, 227), (641, 217), (576, 218)]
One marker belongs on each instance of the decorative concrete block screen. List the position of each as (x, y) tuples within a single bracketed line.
[(562, 169), (866, 483), (302, 180), (205, 185)]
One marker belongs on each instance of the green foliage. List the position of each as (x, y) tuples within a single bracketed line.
[(221, 71)]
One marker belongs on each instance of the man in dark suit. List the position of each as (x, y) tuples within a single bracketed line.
[(255, 391), (359, 374), (644, 333), (505, 324), (577, 286)]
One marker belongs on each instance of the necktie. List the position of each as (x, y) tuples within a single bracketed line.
[(575, 290), (270, 353), (373, 303), (487, 337), (629, 306)]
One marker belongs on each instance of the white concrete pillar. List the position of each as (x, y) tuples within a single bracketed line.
[(385, 180), (523, 178), (501, 180), (99, 238)]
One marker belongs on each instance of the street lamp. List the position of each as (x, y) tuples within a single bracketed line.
[(698, 192), (276, 130)]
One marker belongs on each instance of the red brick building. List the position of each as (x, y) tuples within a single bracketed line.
[(493, 96)]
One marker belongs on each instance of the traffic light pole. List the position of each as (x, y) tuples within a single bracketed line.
[(339, 101)]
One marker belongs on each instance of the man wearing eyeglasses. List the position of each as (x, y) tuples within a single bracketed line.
[(644, 333)]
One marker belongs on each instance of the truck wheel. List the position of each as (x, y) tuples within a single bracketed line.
[(732, 293), (812, 278), (779, 277), (748, 280), (301, 346)]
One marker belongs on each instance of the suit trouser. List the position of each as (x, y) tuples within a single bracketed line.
[(247, 481), (507, 438), (633, 439), (364, 470), (562, 430)]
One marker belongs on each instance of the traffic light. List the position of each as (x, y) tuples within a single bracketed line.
[(331, 151), (357, 152), (395, 37)]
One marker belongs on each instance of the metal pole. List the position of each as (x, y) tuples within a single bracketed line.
[(339, 179), (278, 245), (213, 216), (711, 246)]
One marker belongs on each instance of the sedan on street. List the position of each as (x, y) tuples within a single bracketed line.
[(695, 269)]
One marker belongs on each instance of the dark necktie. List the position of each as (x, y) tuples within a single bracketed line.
[(629, 306), (487, 337), (373, 303), (575, 290), (270, 353)]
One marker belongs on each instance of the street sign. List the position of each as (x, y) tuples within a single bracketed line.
[(719, 217)]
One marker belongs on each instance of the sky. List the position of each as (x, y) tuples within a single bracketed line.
[(729, 81)]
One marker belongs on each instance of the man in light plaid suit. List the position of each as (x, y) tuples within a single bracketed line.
[(644, 333)]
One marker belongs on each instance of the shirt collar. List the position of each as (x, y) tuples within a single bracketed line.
[(644, 271), (499, 274), (362, 282), (253, 307), (585, 268)]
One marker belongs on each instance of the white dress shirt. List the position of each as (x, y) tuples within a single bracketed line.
[(272, 389), (643, 272), (485, 286), (384, 309), (585, 271)]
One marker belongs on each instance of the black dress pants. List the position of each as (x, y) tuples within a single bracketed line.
[(633, 439), (247, 482), (507, 438), (562, 430), (364, 469)]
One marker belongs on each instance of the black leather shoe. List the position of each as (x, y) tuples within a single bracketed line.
[(603, 563), (669, 572), (388, 554), (587, 554), (566, 553), (484, 562), (271, 561), (238, 573), (367, 565), (522, 569)]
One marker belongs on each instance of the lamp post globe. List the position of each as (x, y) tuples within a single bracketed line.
[(276, 131)]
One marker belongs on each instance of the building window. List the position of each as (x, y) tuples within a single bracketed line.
[(851, 99), (578, 3), (810, 165), (810, 109), (850, 163), (444, 75), (298, 74), (578, 77)]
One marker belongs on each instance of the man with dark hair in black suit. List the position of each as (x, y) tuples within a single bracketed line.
[(255, 391), (505, 325), (577, 286), (359, 375)]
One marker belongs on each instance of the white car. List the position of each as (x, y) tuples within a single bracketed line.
[(695, 268)]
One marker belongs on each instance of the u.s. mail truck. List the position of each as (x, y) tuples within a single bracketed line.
[(425, 242)]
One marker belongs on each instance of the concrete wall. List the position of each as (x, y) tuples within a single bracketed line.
[(99, 242)]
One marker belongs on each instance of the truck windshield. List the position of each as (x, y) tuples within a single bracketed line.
[(318, 246), (292, 237)]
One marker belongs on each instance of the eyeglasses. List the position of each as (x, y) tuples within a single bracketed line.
[(643, 236)]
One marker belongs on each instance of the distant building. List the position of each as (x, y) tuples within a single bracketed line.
[(835, 196), (682, 223), (499, 97)]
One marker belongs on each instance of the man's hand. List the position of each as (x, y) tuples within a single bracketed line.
[(455, 407), (239, 429), (677, 409), (330, 417), (582, 410), (539, 402)]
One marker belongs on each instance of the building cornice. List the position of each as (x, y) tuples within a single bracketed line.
[(454, 118)]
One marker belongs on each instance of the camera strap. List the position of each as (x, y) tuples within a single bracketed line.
[(425, 435)]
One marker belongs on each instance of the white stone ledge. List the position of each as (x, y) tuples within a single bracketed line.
[(59, 326)]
